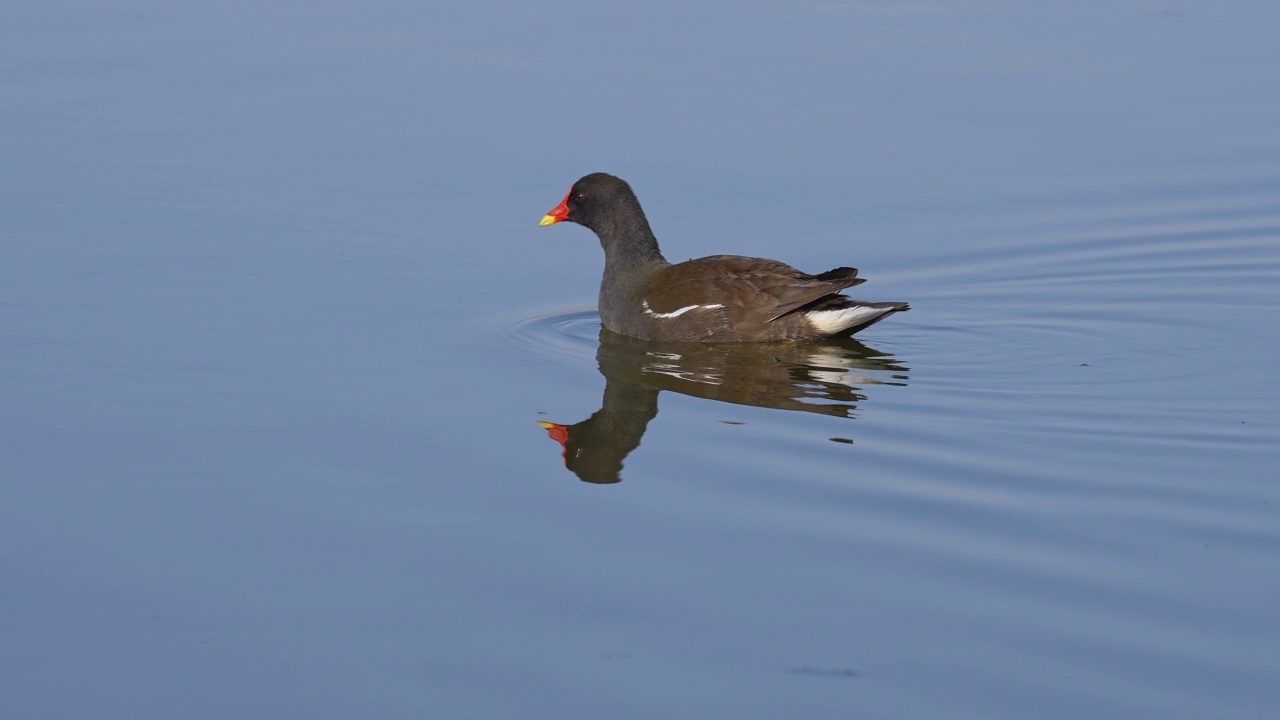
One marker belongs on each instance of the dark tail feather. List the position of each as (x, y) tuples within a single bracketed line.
[(840, 273)]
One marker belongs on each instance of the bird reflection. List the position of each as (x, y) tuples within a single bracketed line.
[(819, 377)]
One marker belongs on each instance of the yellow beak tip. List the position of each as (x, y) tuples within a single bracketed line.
[(546, 425), (548, 220)]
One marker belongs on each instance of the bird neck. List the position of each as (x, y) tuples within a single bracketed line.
[(628, 242)]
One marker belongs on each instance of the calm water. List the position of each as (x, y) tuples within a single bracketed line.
[(277, 331)]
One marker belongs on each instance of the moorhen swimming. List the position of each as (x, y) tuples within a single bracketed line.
[(721, 298)]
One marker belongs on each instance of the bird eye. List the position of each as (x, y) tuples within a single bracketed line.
[(579, 197)]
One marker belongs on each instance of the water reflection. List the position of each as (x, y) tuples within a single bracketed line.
[(824, 377)]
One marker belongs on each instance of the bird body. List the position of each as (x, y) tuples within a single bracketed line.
[(720, 298)]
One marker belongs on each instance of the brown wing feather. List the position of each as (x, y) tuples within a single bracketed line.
[(744, 283)]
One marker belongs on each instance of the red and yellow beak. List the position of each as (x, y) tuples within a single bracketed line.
[(556, 431), (558, 213)]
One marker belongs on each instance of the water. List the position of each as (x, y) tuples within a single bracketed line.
[(278, 331)]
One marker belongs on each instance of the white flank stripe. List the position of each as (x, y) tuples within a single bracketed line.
[(833, 321), (681, 311)]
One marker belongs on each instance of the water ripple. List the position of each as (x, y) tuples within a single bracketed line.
[(565, 334)]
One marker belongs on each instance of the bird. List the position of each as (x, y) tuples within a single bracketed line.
[(719, 298)]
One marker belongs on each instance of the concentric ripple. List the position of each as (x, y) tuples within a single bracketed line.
[(564, 334)]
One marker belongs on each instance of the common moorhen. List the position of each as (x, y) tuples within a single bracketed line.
[(720, 298)]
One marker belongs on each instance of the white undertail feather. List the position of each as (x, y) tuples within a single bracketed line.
[(833, 321)]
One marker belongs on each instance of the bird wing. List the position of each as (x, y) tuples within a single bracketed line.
[(764, 289)]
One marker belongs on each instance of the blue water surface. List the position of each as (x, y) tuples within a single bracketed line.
[(277, 330)]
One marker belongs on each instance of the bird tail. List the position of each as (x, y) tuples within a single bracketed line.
[(851, 316)]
